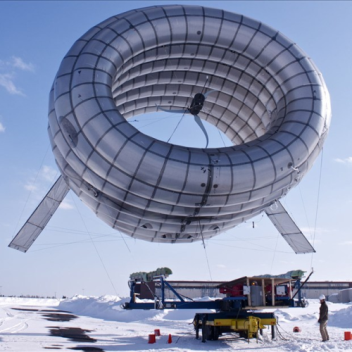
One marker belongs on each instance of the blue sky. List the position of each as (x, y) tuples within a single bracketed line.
[(77, 253)]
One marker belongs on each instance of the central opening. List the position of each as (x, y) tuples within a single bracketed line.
[(157, 91), (179, 129)]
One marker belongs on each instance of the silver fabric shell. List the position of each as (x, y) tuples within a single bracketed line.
[(271, 102)]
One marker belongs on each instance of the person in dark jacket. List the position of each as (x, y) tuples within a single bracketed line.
[(323, 318)]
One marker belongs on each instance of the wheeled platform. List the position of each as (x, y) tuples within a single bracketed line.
[(246, 324), (238, 312)]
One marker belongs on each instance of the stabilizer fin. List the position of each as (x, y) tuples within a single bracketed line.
[(40, 217), (288, 229)]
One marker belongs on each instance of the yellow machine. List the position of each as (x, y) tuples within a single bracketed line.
[(214, 324), (249, 326)]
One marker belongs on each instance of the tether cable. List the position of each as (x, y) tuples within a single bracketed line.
[(96, 250), (205, 250), (318, 200)]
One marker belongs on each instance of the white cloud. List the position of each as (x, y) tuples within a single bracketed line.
[(48, 173), (346, 161), (29, 186), (2, 127), (39, 182), (8, 72), (316, 242), (318, 230), (17, 62), (66, 205), (221, 266), (6, 81)]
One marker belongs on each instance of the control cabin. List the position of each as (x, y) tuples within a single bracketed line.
[(260, 292)]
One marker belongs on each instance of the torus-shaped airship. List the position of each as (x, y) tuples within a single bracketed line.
[(259, 88)]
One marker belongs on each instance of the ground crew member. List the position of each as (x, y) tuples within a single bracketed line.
[(323, 318)]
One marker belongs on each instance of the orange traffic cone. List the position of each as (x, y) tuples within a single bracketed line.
[(151, 338), (157, 332), (169, 340)]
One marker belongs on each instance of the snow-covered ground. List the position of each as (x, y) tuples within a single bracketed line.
[(100, 324)]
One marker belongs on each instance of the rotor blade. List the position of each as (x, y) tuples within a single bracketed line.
[(200, 124), (288, 229), (40, 217), (184, 111), (211, 91)]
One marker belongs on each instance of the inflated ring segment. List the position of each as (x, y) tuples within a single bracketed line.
[(270, 101)]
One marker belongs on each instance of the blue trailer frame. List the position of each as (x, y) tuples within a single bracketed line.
[(229, 311), (222, 304)]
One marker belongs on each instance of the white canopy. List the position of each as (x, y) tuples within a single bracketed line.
[(288, 229), (40, 217)]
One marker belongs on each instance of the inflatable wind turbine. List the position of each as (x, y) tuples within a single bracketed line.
[(271, 102)]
